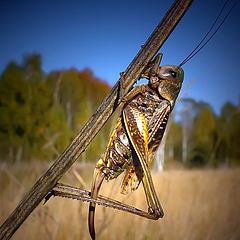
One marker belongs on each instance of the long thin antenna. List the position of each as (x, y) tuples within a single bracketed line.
[(199, 46)]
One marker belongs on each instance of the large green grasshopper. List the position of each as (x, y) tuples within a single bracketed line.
[(133, 142)]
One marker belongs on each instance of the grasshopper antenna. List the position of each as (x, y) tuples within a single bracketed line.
[(202, 44)]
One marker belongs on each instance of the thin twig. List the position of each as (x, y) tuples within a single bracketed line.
[(47, 181), (79, 178)]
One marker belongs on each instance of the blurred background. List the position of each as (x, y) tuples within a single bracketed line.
[(57, 63)]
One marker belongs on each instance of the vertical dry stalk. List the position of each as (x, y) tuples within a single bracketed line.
[(47, 181)]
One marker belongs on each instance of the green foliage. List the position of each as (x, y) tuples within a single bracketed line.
[(174, 141), (203, 136), (229, 132), (204, 127), (40, 114), (208, 139)]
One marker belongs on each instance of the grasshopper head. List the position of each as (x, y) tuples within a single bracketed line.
[(170, 82)]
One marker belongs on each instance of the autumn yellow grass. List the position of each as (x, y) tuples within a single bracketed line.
[(198, 204)]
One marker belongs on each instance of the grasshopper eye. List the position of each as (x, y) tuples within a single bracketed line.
[(173, 74), (170, 73)]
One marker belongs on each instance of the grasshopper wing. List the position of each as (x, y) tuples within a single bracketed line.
[(130, 181), (137, 132)]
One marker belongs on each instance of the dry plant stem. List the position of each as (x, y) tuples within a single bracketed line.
[(48, 180)]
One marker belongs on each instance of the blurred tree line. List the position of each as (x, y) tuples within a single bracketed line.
[(197, 137), (41, 113)]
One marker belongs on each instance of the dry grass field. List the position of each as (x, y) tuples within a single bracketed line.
[(198, 204)]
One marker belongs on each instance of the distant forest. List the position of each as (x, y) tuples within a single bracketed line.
[(41, 113)]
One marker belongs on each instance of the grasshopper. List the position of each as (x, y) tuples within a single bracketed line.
[(137, 135), (133, 143)]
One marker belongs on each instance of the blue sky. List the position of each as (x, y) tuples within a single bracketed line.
[(106, 35)]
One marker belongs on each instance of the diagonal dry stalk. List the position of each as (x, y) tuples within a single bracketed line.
[(47, 181)]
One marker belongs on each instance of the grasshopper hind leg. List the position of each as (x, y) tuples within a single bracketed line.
[(97, 182)]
